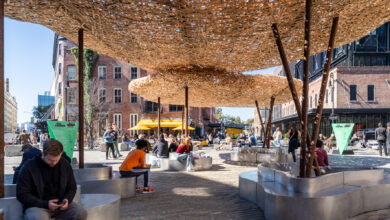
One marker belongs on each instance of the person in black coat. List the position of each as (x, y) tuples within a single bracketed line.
[(29, 152), (160, 149), (46, 186)]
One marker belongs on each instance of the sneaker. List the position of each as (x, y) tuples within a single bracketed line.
[(137, 188), (147, 190)]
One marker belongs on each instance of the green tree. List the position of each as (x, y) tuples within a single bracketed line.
[(39, 111), (90, 60), (218, 114), (249, 121), (237, 120)]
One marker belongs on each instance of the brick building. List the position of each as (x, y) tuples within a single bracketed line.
[(357, 89), (112, 100)]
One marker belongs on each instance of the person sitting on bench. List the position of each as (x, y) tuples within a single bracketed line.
[(29, 152), (184, 153), (46, 186), (134, 165)]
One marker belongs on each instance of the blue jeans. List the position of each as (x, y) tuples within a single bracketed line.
[(188, 157), (277, 142)]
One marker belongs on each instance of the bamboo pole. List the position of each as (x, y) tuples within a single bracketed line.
[(271, 107), (2, 99), (81, 98), (290, 81), (305, 93), (261, 120), (159, 117), (325, 77), (186, 107)]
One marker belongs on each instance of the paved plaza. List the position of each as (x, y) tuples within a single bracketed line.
[(209, 194)]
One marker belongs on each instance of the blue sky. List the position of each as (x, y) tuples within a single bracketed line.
[(28, 56)]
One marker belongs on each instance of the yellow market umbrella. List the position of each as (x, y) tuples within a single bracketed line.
[(179, 128), (139, 127)]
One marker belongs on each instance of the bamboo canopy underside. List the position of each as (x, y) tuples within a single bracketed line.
[(213, 88), (234, 35)]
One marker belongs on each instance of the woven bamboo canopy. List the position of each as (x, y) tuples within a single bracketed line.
[(231, 35), (213, 87)]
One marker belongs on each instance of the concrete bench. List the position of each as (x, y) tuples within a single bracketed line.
[(124, 187), (92, 171), (259, 155), (15, 150), (172, 164), (10, 191), (339, 195), (99, 207)]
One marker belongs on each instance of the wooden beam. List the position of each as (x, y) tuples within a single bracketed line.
[(81, 98), (159, 117), (271, 107), (182, 121), (186, 107), (261, 120), (2, 99), (325, 77)]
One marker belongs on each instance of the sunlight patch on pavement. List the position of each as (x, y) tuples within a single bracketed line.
[(198, 191)]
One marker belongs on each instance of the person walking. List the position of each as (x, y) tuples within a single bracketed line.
[(24, 138), (293, 144), (381, 137), (277, 137), (46, 186), (115, 140), (108, 139)]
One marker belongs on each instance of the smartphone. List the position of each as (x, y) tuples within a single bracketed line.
[(61, 201)]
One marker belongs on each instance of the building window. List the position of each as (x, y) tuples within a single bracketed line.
[(370, 93), (315, 101), (59, 68), (175, 108), (71, 73), (102, 71), (117, 96), (102, 96), (352, 93), (117, 72), (59, 88), (326, 97), (71, 97), (150, 106), (59, 49), (133, 98), (118, 121), (133, 122), (133, 73), (311, 101)]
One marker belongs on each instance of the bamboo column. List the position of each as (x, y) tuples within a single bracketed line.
[(305, 93), (81, 98), (290, 81), (325, 77), (186, 108), (261, 120), (271, 107), (159, 117), (182, 120), (2, 99)]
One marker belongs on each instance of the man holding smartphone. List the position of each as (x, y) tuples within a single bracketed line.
[(46, 186)]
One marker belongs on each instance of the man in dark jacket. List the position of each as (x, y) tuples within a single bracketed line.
[(381, 137), (29, 152), (46, 186), (160, 149)]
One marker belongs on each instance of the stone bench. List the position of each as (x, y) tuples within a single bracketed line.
[(124, 187), (99, 207), (93, 171), (333, 196), (259, 155), (15, 150)]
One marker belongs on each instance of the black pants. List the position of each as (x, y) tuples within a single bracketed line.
[(108, 146), (137, 171), (382, 144), (16, 174)]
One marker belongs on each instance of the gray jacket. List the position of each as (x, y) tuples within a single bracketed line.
[(160, 148), (381, 134)]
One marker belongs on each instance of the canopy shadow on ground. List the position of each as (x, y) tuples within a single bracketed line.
[(180, 195)]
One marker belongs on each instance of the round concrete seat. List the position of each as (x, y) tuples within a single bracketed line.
[(10, 191), (172, 164), (101, 206), (203, 163), (13, 209), (124, 187), (93, 171)]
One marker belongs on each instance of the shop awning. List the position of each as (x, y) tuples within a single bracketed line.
[(179, 128), (139, 127), (164, 123)]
